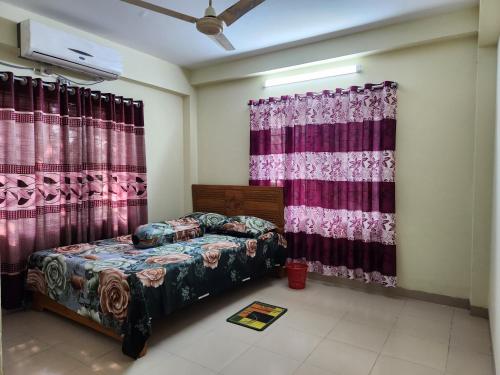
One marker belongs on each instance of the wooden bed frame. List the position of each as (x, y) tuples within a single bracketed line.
[(230, 200), (42, 302)]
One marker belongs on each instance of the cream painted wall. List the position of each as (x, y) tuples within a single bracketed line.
[(482, 176), (489, 22), (434, 151), (494, 307), (460, 23)]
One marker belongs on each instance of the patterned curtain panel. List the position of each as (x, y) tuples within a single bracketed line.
[(334, 154), (72, 168)]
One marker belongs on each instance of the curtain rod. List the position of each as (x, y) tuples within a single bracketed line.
[(358, 89), (71, 90)]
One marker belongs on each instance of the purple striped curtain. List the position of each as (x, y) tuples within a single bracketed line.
[(72, 168), (334, 155)]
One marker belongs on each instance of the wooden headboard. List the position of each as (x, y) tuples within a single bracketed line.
[(231, 200)]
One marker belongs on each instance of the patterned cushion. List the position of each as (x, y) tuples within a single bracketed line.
[(246, 226), (157, 234), (211, 221)]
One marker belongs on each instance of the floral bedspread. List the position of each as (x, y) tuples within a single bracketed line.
[(124, 288)]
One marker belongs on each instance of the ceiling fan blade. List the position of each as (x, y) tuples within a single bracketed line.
[(222, 41), (238, 10), (158, 9)]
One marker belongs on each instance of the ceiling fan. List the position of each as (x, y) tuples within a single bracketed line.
[(210, 24)]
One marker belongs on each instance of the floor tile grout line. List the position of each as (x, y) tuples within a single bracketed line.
[(407, 360), (401, 359), (235, 359), (51, 346), (385, 342), (303, 332), (255, 344), (323, 338), (92, 359), (195, 363), (209, 330), (409, 333), (414, 363), (449, 341), (351, 344), (309, 355), (208, 368)]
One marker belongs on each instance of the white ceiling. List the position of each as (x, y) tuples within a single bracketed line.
[(273, 25)]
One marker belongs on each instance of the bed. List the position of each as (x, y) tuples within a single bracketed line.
[(116, 289)]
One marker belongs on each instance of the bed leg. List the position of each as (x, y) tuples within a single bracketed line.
[(144, 351), (37, 304), (279, 272)]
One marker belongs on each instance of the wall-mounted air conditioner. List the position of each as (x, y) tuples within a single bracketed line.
[(46, 44)]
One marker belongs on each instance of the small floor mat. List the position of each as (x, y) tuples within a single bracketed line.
[(257, 315)]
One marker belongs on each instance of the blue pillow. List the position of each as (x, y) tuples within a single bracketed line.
[(157, 234)]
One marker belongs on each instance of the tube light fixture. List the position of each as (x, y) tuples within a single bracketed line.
[(314, 75)]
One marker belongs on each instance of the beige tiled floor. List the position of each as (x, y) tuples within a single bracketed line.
[(328, 330)]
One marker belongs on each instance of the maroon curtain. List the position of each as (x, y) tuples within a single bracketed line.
[(72, 168), (334, 154)]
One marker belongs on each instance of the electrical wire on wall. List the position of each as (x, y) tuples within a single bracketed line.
[(59, 77), (17, 66)]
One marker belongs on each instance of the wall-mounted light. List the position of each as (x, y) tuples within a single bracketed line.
[(314, 75)]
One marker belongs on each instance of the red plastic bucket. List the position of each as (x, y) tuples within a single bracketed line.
[(297, 274)]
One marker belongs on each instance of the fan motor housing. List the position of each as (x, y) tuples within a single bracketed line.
[(209, 25)]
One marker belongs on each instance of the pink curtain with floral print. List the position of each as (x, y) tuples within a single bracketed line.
[(334, 155), (72, 168)]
